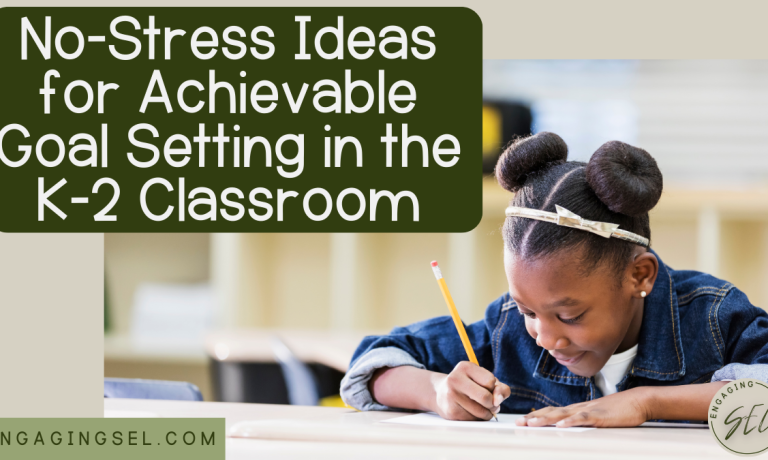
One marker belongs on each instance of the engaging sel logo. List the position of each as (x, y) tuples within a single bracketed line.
[(738, 417)]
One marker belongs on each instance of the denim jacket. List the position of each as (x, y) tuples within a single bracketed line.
[(696, 328)]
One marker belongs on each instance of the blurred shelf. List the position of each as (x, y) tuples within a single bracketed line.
[(281, 283)]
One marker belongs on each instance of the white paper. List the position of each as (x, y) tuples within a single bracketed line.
[(506, 421)]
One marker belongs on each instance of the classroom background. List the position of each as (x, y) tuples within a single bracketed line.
[(248, 317)]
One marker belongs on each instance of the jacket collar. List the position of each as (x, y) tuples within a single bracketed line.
[(660, 348)]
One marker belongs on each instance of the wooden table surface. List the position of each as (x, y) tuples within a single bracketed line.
[(334, 433)]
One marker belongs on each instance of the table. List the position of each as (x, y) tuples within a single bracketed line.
[(335, 433), (331, 348)]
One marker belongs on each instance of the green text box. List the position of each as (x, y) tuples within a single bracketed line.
[(445, 72), (113, 438)]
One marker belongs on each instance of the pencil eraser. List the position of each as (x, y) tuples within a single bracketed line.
[(434, 263)]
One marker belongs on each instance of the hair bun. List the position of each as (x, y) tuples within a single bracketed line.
[(528, 155), (625, 178)]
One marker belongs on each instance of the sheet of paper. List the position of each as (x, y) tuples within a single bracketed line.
[(506, 421)]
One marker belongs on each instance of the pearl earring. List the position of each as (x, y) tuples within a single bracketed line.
[(643, 294)]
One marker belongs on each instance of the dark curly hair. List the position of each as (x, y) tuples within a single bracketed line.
[(619, 184)]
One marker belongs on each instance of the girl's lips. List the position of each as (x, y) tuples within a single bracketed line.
[(572, 361)]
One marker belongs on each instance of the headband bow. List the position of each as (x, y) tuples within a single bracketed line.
[(566, 218)]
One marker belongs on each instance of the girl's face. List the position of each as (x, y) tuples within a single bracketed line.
[(580, 320)]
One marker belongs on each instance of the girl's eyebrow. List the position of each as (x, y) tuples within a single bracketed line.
[(564, 302)]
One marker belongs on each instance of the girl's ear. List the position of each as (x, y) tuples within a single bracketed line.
[(645, 268)]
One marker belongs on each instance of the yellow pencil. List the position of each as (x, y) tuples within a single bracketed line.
[(455, 315)]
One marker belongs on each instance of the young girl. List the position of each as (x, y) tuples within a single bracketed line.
[(595, 330)]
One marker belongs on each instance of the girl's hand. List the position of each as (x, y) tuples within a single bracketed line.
[(469, 392), (623, 409)]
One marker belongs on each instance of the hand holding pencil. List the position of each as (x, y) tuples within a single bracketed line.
[(468, 389)]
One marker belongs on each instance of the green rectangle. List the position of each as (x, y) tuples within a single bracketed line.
[(448, 92), (112, 438)]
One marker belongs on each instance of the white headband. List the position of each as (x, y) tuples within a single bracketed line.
[(566, 218)]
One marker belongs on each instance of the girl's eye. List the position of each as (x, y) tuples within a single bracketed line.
[(572, 320), (529, 314)]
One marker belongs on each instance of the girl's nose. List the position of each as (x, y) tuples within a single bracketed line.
[(550, 339)]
